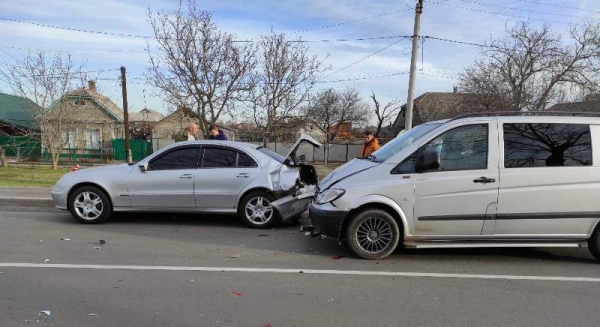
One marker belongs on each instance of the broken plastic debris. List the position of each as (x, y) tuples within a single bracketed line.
[(307, 234), (322, 237), (97, 247), (101, 242), (236, 293), (92, 314), (307, 228), (330, 300), (337, 257), (47, 260), (45, 312), (234, 256), (65, 239)]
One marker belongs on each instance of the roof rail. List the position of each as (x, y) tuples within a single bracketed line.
[(527, 113)]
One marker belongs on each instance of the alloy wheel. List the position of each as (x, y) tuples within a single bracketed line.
[(88, 205), (258, 210), (374, 235)]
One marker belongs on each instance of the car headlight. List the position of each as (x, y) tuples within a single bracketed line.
[(330, 195)]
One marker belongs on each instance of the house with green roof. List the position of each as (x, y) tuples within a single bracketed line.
[(16, 115)]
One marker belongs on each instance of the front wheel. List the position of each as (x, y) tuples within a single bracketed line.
[(89, 205), (255, 210), (373, 234)]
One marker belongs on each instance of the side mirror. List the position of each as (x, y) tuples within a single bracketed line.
[(428, 160), (143, 167)]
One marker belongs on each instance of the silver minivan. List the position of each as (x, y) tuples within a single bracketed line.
[(519, 179)]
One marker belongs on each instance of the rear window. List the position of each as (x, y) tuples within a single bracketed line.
[(547, 145), (279, 158)]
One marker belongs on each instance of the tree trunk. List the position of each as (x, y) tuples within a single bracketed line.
[(55, 157), (326, 157)]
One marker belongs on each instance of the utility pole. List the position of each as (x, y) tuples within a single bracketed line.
[(125, 115), (413, 67)]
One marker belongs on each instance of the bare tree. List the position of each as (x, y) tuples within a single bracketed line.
[(199, 66), (286, 73), (45, 81), (386, 114), (330, 110), (529, 68)]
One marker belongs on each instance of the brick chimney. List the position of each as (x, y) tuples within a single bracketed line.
[(92, 86), (455, 89)]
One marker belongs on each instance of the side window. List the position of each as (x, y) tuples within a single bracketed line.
[(185, 158), (461, 148), (245, 160), (219, 158), (547, 145)]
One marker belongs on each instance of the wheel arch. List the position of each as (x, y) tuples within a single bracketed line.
[(382, 203), (82, 184), (248, 191)]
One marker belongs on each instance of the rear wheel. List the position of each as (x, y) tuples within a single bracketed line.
[(89, 205), (255, 210), (373, 234), (594, 243)]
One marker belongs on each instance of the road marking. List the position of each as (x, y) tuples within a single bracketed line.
[(304, 271)]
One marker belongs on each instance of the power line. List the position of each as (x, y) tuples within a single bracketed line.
[(559, 6), (526, 10), (352, 21), (507, 15), (364, 58)]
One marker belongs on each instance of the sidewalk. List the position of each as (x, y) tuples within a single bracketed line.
[(26, 196)]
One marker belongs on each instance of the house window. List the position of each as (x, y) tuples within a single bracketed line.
[(92, 139), (69, 139)]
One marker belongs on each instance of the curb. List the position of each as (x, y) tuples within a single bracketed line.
[(26, 202)]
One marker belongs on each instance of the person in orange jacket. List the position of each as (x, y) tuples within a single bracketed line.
[(370, 145)]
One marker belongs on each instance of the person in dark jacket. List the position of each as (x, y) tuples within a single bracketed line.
[(214, 133)]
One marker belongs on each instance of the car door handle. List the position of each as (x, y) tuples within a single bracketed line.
[(184, 176), (242, 175), (484, 180)]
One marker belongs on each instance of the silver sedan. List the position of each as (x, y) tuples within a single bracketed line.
[(196, 176)]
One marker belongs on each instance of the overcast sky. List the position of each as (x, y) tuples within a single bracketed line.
[(463, 20)]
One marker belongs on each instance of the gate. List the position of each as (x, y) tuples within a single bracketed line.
[(140, 149)]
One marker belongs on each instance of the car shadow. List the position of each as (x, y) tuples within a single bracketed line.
[(487, 254)]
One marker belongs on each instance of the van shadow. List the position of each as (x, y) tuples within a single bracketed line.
[(567, 255)]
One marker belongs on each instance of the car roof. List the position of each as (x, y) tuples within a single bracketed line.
[(243, 145), (532, 116)]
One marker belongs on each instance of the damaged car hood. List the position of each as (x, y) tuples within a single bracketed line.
[(346, 170), (304, 138)]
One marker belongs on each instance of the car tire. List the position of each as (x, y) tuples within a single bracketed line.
[(90, 205), (255, 210), (373, 234), (594, 243)]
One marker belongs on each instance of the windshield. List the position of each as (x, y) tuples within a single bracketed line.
[(401, 141), (279, 158)]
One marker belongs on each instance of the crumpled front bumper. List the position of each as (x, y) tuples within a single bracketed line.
[(328, 222)]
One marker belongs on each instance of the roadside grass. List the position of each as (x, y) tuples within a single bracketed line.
[(30, 176)]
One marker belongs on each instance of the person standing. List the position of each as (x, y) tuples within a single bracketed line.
[(192, 129), (370, 145), (214, 133)]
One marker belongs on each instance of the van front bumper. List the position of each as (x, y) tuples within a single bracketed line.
[(328, 222)]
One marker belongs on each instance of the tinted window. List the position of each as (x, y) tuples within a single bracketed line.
[(185, 158), (245, 160), (402, 141), (219, 157), (546, 145)]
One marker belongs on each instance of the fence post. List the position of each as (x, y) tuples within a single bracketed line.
[(18, 155), (2, 157), (346, 152)]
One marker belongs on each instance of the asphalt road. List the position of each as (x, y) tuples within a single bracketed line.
[(185, 270)]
